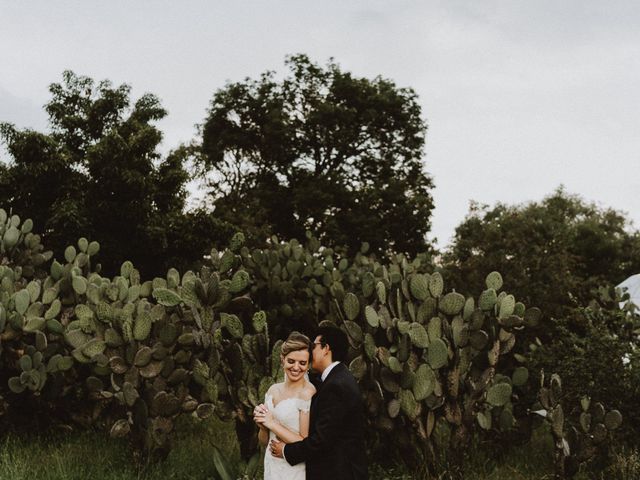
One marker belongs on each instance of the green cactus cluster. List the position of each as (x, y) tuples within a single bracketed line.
[(578, 437), (142, 352), (426, 356), (155, 349), (33, 372)]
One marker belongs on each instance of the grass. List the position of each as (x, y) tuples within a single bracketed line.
[(92, 455), (83, 455)]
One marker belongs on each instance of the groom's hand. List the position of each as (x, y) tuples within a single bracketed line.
[(276, 448)]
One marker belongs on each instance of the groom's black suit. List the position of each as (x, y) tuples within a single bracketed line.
[(335, 447)]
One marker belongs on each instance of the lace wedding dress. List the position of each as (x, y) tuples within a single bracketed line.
[(287, 412)]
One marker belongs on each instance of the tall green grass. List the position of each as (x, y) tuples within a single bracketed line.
[(71, 455)]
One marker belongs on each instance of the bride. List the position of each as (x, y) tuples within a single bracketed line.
[(285, 411)]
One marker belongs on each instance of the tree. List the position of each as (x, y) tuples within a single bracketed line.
[(320, 150), (43, 185), (558, 254), (553, 253), (99, 174)]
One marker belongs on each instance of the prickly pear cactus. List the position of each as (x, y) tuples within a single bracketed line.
[(579, 438), (141, 352), (137, 353), (426, 356)]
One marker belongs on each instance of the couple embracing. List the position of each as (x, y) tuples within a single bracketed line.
[(313, 432)]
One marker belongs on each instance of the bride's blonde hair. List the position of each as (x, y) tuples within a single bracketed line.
[(295, 342)]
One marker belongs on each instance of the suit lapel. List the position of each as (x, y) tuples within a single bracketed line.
[(335, 370)]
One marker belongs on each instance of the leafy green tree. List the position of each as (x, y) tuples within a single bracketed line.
[(320, 150), (553, 253), (99, 173), (558, 254), (42, 184)]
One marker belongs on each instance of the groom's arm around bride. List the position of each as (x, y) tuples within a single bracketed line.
[(335, 446)]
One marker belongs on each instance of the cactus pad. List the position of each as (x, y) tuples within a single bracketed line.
[(499, 394), (371, 316), (507, 306), (488, 299), (520, 376), (395, 365), (381, 292), (494, 281), (408, 404), (469, 307), (70, 254), (418, 335), (419, 287), (236, 242), (436, 284), (358, 367), (11, 237), (393, 408), (369, 346), (434, 328), (354, 331), (76, 338), (167, 297), (438, 354), (424, 382), (79, 285), (484, 420), (351, 306), (239, 282), (232, 324), (142, 326), (452, 303), (259, 321), (22, 300), (126, 268), (613, 420)]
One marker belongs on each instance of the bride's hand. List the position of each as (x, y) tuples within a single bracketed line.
[(259, 415), (264, 418)]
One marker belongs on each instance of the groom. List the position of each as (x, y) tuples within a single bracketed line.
[(335, 446)]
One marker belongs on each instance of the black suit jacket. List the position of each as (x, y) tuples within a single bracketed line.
[(335, 446)]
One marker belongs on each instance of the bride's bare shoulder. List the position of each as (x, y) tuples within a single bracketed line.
[(275, 390)]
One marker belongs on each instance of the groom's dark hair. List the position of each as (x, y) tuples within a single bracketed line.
[(337, 341)]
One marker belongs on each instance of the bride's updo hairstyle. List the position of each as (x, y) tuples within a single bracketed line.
[(296, 342)]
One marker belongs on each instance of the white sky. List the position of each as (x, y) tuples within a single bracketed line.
[(520, 96)]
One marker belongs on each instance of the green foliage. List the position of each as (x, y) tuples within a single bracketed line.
[(582, 246), (579, 438), (55, 456), (420, 366), (142, 354), (71, 335), (321, 149), (595, 351), (98, 173)]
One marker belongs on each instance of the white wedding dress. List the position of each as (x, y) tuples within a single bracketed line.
[(287, 412)]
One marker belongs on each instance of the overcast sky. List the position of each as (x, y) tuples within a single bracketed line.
[(520, 96)]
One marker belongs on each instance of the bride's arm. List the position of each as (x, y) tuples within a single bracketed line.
[(263, 432), (304, 412), (263, 435), (304, 424), (282, 432)]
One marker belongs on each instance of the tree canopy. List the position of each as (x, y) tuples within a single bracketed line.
[(554, 252), (99, 173), (320, 150)]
